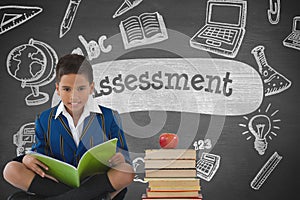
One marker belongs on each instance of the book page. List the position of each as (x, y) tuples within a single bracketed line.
[(132, 29), (151, 24), (62, 171), (95, 160)]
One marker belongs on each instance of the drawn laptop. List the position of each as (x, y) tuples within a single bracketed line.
[(293, 40), (224, 28)]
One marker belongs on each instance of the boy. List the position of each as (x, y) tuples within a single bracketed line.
[(65, 132)]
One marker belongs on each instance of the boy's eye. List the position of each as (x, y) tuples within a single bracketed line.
[(67, 89), (81, 88)]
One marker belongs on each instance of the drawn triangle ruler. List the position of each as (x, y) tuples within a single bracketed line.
[(12, 16)]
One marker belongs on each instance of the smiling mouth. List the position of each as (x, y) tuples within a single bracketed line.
[(75, 103)]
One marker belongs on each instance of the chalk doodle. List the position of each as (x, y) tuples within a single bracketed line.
[(138, 166), (224, 28), (274, 10), (148, 28), (24, 138), (293, 39), (93, 48), (126, 6), (34, 65), (265, 171), (12, 16), (261, 126), (202, 144), (69, 16), (274, 82), (207, 166)]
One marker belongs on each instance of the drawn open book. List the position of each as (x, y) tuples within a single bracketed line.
[(148, 28), (93, 161)]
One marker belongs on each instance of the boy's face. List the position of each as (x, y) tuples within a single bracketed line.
[(74, 91)]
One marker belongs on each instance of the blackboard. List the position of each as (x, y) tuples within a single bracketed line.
[(210, 119)]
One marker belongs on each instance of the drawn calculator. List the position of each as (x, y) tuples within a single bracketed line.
[(207, 166)]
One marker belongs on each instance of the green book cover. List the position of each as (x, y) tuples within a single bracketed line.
[(95, 160)]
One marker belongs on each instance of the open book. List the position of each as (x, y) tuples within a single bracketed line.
[(95, 160), (148, 28)]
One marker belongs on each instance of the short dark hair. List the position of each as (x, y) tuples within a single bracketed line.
[(74, 64)]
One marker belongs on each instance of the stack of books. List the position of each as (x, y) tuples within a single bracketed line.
[(171, 174)]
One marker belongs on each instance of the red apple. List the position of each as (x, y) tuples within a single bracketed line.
[(168, 140)]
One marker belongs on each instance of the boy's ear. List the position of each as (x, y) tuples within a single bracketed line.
[(57, 88), (92, 86)]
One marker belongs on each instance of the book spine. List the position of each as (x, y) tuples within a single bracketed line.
[(179, 173), (171, 164), (179, 154)]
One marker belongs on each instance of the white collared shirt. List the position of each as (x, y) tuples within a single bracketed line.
[(90, 106)]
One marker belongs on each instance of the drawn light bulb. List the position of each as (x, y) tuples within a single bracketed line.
[(260, 126)]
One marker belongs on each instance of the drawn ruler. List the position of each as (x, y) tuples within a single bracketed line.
[(12, 16)]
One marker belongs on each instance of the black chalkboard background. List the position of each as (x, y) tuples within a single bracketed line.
[(239, 160)]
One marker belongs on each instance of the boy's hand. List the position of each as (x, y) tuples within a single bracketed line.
[(36, 166), (117, 159)]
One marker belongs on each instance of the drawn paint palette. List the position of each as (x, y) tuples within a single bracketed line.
[(13, 16)]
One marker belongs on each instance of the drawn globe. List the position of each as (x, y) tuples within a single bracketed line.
[(26, 63), (33, 64)]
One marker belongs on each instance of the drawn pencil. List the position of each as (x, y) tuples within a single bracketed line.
[(69, 17), (126, 5)]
